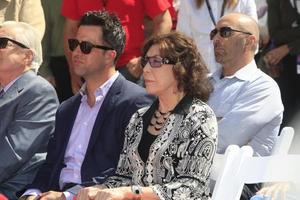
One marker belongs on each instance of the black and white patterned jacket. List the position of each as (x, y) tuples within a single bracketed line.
[(180, 158)]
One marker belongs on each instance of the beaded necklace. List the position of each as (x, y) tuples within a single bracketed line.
[(158, 120)]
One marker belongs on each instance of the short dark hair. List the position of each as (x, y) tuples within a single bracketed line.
[(113, 32), (189, 70)]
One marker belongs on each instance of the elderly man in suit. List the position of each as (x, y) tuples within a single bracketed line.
[(90, 126), (27, 107)]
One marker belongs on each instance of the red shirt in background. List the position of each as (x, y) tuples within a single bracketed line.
[(131, 14), (2, 197), (173, 14)]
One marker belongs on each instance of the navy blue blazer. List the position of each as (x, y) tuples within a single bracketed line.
[(106, 141)]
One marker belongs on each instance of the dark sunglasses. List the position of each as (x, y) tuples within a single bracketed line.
[(4, 42), (155, 61), (85, 46), (225, 32)]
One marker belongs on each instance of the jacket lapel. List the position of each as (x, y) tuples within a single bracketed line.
[(17, 87), (69, 119), (108, 104)]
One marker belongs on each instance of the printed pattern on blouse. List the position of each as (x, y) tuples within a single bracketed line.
[(180, 158)]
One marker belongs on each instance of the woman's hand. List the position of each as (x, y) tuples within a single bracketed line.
[(276, 55), (277, 190), (89, 192), (121, 193)]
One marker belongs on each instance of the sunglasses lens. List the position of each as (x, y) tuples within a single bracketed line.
[(213, 33), (155, 62), (3, 43), (225, 32), (144, 61), (73, 43), (86, 47)]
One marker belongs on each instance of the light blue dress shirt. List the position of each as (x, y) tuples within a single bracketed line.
[(248, 107)]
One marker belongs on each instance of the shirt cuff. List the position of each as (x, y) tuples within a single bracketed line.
[(32, 192), (68, 195)]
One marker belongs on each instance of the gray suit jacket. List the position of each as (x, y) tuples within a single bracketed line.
[(27, 114)]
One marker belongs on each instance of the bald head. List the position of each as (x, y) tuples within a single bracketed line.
[(242, 22)]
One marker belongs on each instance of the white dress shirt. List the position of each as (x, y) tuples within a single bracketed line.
[(248, 107), (197, 24)]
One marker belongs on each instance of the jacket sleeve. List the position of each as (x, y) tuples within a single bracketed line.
[(29, 132)]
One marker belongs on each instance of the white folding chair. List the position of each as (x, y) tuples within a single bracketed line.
[(224, 170), (237, 167), (284, 141)]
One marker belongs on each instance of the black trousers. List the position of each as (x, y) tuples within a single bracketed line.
[(250, 190), (60, 69)]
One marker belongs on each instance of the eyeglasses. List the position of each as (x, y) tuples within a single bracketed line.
[(155, 61), (4, 42), (225, 32), (85, 46)]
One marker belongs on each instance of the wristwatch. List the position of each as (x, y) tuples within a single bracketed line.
[(136, 189)]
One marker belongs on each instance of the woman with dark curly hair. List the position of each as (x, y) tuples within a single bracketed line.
[(169, 146)]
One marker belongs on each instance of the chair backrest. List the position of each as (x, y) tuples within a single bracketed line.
[(284, 141), (224, 170), (237, 167)]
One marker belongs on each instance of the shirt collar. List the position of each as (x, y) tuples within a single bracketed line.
[(9, 84), (181, 108), (245, 73), (100, 91)]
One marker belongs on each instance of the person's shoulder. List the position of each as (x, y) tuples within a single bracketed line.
[(132, 89), (200, 106), (71, 101), (201, 113), (263, 81), (35, 85)]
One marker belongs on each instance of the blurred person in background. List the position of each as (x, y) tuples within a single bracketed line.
[(284, 28), (55, 66), (29, 11), (196, 18)]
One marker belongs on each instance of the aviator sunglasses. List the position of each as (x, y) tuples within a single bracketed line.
[(85, 46), (4, 42), (155, 61), (225, 32)]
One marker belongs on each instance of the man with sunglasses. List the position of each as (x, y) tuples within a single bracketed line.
[(90, 125), (27, 107), (131, 14), (246, 101)]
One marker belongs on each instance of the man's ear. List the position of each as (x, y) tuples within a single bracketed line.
[(28, 57), (111, 55), (250, 43)]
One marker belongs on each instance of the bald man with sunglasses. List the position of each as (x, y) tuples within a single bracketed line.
[(90, 126), (246, 101)]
